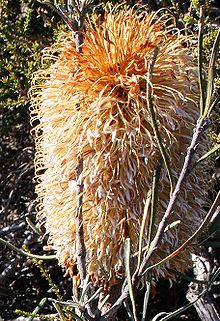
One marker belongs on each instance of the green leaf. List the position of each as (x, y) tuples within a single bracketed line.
[(85, 288), (146, 300), (103, 302), (187, 306), (127, 250), (154, 198), (208, 154), (71, 304), (24, 253), (211, 73), (172, 225), (37, 309), (153, 116), (200, 60)]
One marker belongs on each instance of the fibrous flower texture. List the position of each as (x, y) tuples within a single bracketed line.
[(94, 105)]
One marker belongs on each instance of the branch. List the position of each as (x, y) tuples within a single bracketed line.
[(111, 312), (201, 126), (80, 243), (78, 36), (196, 234), (205, 307)]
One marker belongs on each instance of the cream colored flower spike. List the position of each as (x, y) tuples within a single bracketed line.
[(94, 104)]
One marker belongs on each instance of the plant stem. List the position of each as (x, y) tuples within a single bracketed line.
[(206, 220), (78, 36), (80, 243), (201, 126)]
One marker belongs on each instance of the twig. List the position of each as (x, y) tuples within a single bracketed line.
[(187, 306), (127, 249), (201, 126), (78, 35), (204, 223), (80, 243), (205, 307), (111, 312), (81, 8)]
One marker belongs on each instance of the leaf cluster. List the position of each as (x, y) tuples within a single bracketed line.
[(26, 28)]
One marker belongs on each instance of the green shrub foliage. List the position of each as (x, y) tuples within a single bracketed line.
[(26, 28)]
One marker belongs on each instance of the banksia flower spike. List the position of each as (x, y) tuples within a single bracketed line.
[(93, 105)]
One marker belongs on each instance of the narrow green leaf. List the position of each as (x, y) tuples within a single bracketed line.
[(67, 303), (85, 287), (103, 302), (94, 296), (204, 223), (159, 315), (213, 105), (154, 198), (37, 309), (200, 64), (153, 116), (144, 219), (33, 227), (59, 311), (128, 310), (185, 307), (127, 251), (214, 224), (172, 225), (208, 154), (146, 300), (24, 253), (211, 73)]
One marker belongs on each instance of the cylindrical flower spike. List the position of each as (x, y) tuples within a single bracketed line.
[(94, 105)]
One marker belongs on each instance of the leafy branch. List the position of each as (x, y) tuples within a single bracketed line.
[(206, 104)]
